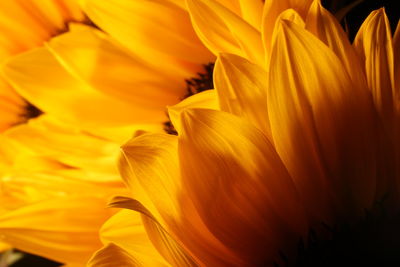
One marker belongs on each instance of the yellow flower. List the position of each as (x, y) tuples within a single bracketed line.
[(307, 136)]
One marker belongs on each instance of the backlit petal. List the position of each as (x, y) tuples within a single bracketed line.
[(325, 26), (242, 89), (126, 230), (221, 30), (169, 248), (374, 44), (232, 173), (322, 125), (158, 29), (71, 99), (112, 255), (64, 229), (207, 99)]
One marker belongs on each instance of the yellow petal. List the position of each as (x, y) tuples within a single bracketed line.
[(252, 12), (175, 48), (322, 125), (272, 10), (134, 24), (92, 56), (325, 26), (374, 44), (169, 248), (68, 98), (45, 18), (396, 51), (150, 163), (232, 173), (207, 99), (221, 30), (64, 229), (161, 180), (126, 230), (112, 255), (242, 89), (68, 145)]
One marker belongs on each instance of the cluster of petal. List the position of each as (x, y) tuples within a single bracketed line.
[(304, 133)]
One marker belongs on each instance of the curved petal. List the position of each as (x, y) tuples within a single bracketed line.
[(238, 184), (374, 44), (68, 145), (112, 255), (206, 99), (169, 248), (158, 30), (150, 162), (45, 19), (396, 51), (325, 26), (68, 98), (272, 10), (242, 89), (91, 55), (126, 230), (221, 30), (64, 229), (323, 125)]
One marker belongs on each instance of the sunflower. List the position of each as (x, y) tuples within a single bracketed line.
[(305, 136)]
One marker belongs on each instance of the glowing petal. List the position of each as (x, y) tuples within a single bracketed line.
[(272, 10), (221, 30), (374, 45), (242, 89), (126, 230), (112, 255), (68, 98), (232, 173), (153, 165), (174, 48), (64, 229), (207, 99), (67, 144), (325, 26), (170, 249), (322, 125)]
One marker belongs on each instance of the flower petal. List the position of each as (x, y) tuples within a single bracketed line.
[(374, 44), (68, 145), (396, 51), (150, 163), (206, 99), (325, 26), (91, 55), (221, 30), (113, 255), (232, 173), (126, 230), (272, 10), (68, 98), (64, 229), (169, 248), (242, 89), (150, 28), (322, 125)]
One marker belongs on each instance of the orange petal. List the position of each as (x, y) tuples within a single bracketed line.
[(238, 184)]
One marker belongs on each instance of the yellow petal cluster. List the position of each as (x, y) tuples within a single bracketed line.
[(301, 136), (301, 129)]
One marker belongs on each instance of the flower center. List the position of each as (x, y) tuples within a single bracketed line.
[(201, 82)]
